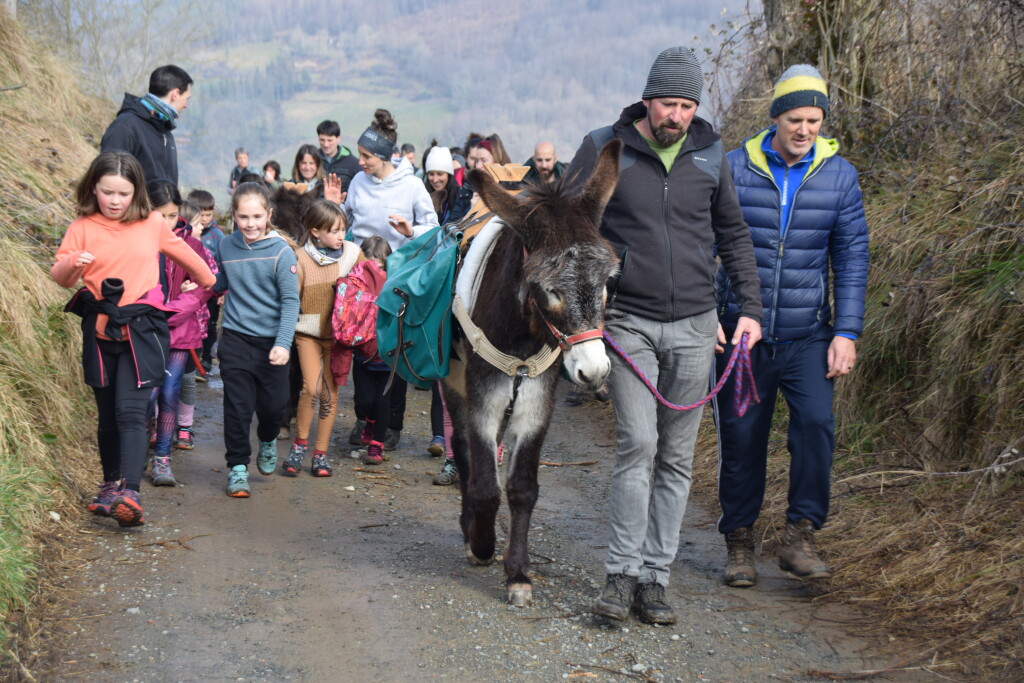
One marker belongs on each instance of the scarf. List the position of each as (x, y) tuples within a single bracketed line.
[(325, 257), (161, 109)]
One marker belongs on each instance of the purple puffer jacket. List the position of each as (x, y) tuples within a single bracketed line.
[(189, 315)]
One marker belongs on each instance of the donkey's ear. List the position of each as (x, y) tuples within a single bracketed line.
[(497, 200), (601, 184)]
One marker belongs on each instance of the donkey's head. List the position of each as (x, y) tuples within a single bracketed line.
[(566, 261)]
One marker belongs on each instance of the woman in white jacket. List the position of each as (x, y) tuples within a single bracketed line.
[(386, 200), (391, 202)]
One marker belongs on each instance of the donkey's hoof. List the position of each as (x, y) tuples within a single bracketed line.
[(476, 561), (520, 594)]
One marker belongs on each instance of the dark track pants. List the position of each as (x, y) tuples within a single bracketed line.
[(251, 385), (797, 370), (121, 405)]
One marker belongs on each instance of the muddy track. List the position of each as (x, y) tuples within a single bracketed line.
[(362, 577)]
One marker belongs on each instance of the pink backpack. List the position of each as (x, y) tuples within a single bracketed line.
[(354, 321)]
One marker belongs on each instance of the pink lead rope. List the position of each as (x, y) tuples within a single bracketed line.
[(746, 390)]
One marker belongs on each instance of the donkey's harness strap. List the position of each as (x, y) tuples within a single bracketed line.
[(535, 365), (566, 342)]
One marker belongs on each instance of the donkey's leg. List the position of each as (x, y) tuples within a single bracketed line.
[(487, 396), (525, 436)]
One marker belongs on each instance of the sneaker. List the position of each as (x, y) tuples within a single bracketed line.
[(266, 461), (798, 555), (201, 378), (100, 505), (161, 474), (320, 466), (293, 463), (284, 433), (185, 441), (436, 446), (740, 571), (616, 597), (448, 475), (391, 438), (374, 453), (127, 509), (651, 606), (355, 437), (238, 482)]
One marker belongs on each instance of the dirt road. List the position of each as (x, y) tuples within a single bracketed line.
[(362, 577)]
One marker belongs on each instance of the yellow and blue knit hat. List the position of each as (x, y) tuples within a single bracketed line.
[(801, 85)]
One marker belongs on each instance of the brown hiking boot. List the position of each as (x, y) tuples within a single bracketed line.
[(739, 565), (798, 555)]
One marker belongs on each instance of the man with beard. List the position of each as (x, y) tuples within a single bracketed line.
[(544, 164), (674, 202)]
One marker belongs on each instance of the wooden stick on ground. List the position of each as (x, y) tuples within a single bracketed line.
[(582, 463)]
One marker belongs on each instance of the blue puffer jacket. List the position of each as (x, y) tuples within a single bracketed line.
[(826, 226)]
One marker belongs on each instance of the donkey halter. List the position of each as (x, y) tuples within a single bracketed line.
[(566, 342)]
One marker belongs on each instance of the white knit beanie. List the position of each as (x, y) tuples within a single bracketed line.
[(440, 159)]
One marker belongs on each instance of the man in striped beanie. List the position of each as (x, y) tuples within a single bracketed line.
[(802, 202), (673, 203)]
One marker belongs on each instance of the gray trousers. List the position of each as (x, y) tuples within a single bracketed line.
[(654, 457)]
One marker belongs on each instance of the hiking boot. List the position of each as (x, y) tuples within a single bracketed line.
[(185, 440), (127, 509), (448, 475), (798, 555), (366, 436), (391, 438), (320, 466), (161, 474), (238, 482), (616, 597), (100, 505), (374, 453), (266, 461), (355, 437), (651, 606), (436, 446), (740, 571), (293, 463)]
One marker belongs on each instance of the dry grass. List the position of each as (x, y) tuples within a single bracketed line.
[(46, 451)]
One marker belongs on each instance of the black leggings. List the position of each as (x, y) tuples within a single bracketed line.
[(436, 410), (370, 399), (121, 406), (396, 399)]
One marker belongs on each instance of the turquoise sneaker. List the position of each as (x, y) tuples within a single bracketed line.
[(266, 461), (238, 482)]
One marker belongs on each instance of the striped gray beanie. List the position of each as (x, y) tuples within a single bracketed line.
[(801, 85), (675, 73)]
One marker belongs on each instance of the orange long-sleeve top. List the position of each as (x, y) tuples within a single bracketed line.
[(128, 251)]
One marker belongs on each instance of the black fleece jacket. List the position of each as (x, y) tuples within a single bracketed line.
[(664, 226), (147, 138)]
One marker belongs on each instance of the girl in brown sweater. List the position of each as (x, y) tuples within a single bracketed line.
[(323, 256)]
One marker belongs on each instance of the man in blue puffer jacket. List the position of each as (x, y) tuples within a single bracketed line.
[(802, 202)]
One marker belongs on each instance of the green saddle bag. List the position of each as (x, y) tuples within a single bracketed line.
[(414, 318)]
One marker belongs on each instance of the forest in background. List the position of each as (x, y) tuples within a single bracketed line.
[(267, 72)]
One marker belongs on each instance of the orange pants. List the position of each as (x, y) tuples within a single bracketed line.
[(318, 388)]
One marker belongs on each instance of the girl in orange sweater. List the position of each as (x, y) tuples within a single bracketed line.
[(113, 249)]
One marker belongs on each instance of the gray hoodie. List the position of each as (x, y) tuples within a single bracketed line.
[(370, 201)]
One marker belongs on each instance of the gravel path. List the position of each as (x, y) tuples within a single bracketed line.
[(362, 577)]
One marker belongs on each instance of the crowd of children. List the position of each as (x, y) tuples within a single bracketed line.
[(158, 273)]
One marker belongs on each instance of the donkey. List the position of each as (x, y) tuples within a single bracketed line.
[(543, 285)]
